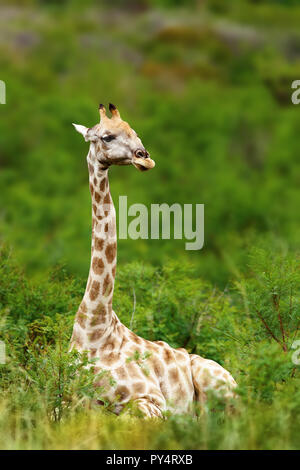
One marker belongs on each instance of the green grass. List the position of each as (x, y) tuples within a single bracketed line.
[(255, 427)]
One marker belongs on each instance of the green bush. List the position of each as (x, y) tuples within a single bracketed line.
[(47, 395)]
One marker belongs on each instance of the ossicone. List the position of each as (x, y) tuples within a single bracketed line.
[(102, 111), (114, 111)]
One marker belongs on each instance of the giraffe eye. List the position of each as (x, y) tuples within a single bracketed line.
[(108, 138)]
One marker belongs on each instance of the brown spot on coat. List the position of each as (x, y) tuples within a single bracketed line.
[(95, 288), (152, 346), (158, 368), (107, 285), (181, 394), (139, 387), (110, 358), (164, 389), (93, 352), (134, 370), (107, 199), (168, 356), (97, 197), (76, 339), (135, 338), (206, 378), (96, 334), (99, 242), (81, 316), (108, 346), (110, 252), (122, 392), (181, 355), (103, 185), (98, 265), (121, 373), (173, 375), (98, 315)]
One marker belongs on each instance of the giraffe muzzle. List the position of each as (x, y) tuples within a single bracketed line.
[(142, 160)]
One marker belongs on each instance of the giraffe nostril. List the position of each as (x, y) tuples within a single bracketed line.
[(141, 153)]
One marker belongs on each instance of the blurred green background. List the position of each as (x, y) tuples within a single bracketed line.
[(207, 85)]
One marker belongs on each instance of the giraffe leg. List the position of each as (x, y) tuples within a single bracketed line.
[(209, 376), (148, 408)]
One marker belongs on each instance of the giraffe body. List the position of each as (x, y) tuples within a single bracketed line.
[(153, 375)]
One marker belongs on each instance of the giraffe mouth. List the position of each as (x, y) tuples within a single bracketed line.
[(143, 164)]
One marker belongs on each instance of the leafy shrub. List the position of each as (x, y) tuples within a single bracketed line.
[(271, 295), (42, 384)]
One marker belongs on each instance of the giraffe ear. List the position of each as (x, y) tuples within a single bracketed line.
[(86, 132), (81, 129)]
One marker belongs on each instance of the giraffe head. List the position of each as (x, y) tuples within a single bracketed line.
[(114, 142)]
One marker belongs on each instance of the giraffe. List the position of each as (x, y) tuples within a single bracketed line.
[(173, 379)]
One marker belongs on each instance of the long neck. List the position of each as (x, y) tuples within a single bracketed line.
[(100, 286), (95, 313)]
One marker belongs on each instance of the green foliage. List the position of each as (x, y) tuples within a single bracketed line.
[(273, 294), (207, 85), (48, 397), (53, 383), (210, 101), (174, 305)]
